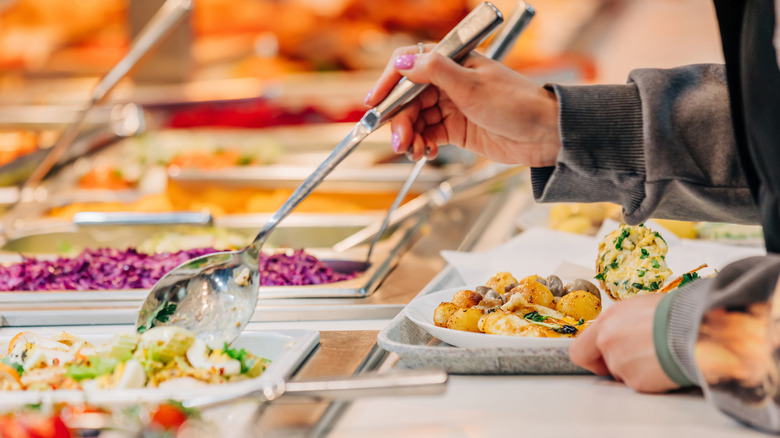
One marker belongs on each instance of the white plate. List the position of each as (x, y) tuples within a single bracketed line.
[(286, 349), (420, 311)]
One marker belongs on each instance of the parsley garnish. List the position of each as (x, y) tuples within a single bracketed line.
[(655, 263), (534, 316), (162, 314), (640, 272), (619, 241), (166, 311), (688, 277), (653, 285), (614, 265), (655, 233), (566, 329), (600, 276), (645, 254)]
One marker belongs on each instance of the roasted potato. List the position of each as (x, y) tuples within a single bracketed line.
[(466, 320), (500, 281), (534, 293), (579, 304), (529, 279), (443, 313), (466, 298)]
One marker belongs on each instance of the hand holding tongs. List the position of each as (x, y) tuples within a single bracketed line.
[(497, 50), (461, 40)]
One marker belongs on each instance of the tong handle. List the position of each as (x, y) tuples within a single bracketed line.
[(506, 37), (461, 40)]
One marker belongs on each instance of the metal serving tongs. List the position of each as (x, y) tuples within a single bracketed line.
[(215, 295), (497, 50), (169, 14), (394, 383)]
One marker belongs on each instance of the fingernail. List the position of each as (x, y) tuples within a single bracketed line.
[(409, 154), (368, 96), (396, 141), (404, 62)]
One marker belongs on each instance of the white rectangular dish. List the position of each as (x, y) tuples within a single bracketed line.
[(287, 350)]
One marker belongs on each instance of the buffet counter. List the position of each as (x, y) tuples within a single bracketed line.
[(473, 405)]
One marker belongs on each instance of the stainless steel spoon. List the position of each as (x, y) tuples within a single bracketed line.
[(215, 295)]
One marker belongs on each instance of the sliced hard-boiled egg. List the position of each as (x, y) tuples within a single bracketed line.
[(47, 356), (198, 357), (133, 375)]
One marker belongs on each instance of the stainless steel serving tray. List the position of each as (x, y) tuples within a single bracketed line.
[(50, 236), (315, 233), (376, 178)]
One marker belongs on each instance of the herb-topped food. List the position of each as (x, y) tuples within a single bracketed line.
[(632, 261), (533, 306), (159, 356)]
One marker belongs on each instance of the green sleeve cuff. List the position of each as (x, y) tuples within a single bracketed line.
[(661, 342)]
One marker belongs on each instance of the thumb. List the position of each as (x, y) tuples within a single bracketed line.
[(439, 70)]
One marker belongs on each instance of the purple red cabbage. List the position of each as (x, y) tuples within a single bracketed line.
[(111, 269), (296, 269)]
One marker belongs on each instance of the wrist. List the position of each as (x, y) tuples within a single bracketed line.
[(549, 123)]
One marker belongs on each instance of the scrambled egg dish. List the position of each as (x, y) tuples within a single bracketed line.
[(632, 261)]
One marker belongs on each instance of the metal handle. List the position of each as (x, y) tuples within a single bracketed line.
[(506, 37), (161, 23), (461, 40), (418, 167), (90, 218), (435, 197), (396, 383)]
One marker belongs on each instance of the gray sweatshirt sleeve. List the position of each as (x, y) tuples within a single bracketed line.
[(660, 146), (723, 334)]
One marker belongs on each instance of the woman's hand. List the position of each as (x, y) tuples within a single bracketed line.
[(620, 343), (481, 106)]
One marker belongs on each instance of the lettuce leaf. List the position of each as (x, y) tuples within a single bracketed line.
[(97, 366)]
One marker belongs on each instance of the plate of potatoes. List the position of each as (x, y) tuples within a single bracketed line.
[(527, 315)]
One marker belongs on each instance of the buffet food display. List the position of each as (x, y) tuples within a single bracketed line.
[(158, 357)]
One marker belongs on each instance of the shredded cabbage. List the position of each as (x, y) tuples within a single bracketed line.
[(112, 269)]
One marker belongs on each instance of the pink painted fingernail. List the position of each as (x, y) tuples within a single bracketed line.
[(368, 97), (404, 62), (396, 141)]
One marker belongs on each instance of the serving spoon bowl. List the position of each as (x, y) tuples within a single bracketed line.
[(215, 295)]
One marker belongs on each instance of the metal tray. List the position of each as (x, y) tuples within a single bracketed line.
[(417, 349), (298, 231), (25, 307)]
